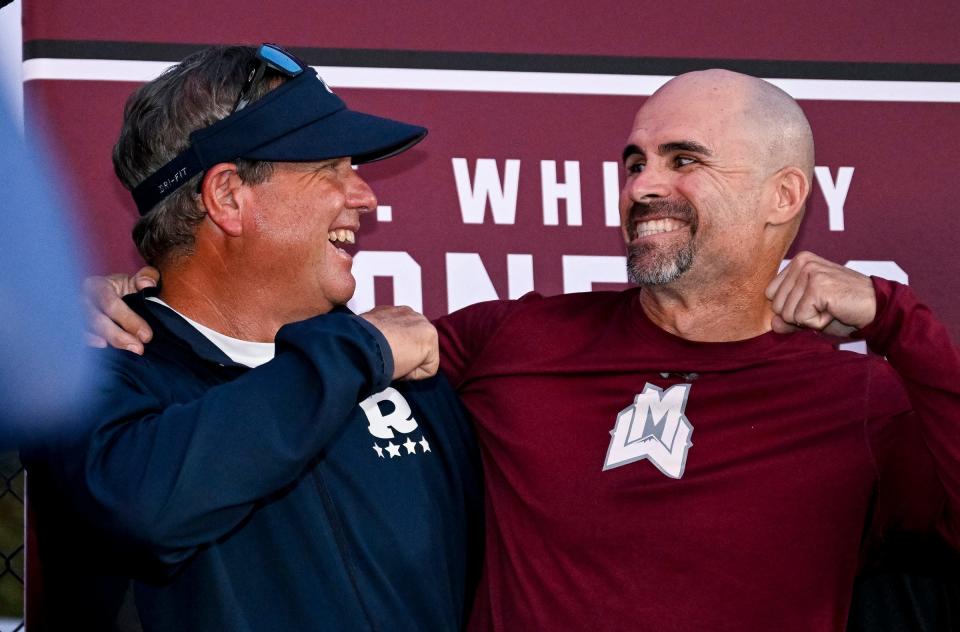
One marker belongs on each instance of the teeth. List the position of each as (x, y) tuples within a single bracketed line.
[(342, 234), (655, 226)]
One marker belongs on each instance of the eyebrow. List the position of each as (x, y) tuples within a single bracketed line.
[(691, 146)]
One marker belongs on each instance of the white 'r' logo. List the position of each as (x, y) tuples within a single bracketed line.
[(653, 428), (381, 425)]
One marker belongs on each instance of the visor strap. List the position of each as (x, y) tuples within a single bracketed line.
[(167, 179)]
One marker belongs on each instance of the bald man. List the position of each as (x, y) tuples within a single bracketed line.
[(694, 454)]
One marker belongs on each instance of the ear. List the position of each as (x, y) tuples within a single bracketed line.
[(222, 195), (791, 186)]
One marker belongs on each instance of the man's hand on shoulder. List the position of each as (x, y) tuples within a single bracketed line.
[(109, 320), (814, 293), (412, 339)]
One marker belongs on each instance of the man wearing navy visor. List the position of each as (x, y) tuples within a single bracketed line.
[(228, 478)]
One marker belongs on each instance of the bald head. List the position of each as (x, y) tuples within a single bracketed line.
[(728, 160), (765, 114)]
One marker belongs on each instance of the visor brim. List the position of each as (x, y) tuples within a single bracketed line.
[(345, 133)]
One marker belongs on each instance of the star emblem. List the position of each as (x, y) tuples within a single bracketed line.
[(378, 450), (423, 444), (394, 450), (410, 446)]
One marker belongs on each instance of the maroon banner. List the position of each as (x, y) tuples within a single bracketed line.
[(857, 30), (515, 191)]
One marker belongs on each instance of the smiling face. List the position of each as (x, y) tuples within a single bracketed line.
[(695, 166), (304, 213)]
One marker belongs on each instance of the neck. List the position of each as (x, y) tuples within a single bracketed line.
[(226, 296), (730, 310), (229, 313)]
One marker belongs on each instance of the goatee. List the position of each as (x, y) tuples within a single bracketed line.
[(649, 264)]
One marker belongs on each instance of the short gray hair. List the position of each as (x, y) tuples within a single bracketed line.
[(157, 122)]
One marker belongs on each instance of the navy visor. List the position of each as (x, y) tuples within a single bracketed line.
[(302, 120)]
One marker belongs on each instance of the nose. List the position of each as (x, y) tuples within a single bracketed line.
[(359, 194), (647, 184), (644, 186)]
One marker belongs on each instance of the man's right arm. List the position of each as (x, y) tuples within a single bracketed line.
[(167, 478)]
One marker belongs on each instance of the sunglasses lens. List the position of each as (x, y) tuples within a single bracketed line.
[(281, 60), (272, 57)]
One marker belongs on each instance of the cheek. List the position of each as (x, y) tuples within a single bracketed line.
[(625, 200), (626, 203), (277, 227), (294, 226)]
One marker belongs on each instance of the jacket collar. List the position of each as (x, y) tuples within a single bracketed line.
[(183, 332)]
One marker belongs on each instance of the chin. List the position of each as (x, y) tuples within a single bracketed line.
[(646, 266), (341, 293)]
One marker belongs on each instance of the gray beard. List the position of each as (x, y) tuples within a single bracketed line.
[(652, 268)]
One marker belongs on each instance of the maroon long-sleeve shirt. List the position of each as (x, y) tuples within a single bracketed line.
[(639, 481)]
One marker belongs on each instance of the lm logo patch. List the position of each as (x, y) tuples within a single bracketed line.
[(654, 428), (390, 419)]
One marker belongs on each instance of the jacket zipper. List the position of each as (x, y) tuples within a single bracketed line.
[(341, 539)]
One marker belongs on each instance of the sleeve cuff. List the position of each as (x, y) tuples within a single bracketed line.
[(342, 323), (891, 299), (386, 355)]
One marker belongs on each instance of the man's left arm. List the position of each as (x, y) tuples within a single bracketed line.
[(817, 294)]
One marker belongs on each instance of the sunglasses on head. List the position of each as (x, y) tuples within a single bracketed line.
[(268, 56)]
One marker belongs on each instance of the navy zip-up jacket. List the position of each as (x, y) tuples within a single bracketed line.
[(262, 499)]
